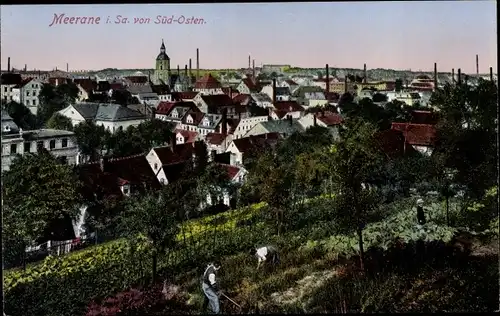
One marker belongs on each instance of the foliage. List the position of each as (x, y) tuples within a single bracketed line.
[(36, 191), (91, 139), (21, 115), (55, 98), (61, 122)]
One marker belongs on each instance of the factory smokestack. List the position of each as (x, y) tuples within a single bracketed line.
[(477, 65), (365, 77), (274, 91), (459, 76), (186, 70), (178, 70), (435, 76), (249, 61), (25, 67), (190, 68), (327, 79), (253, 70), (197, 63), (453, 75), (8, 64), (491, 74), (67, 67)]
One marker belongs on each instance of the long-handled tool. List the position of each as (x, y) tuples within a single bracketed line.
[(231, 300)]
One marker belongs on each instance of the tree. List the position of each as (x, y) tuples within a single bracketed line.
[(37, 190), (91, 139), (353, 160), (155, 217), (22, 116), (379, 97), (53, 99), (58, 121), (123, 97), (398, 85)]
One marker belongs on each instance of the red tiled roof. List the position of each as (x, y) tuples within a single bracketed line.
[(232, 171), (164, 108), (137, 79), (207, 82), (329, 118), (133, 170), (217, 100), (416, 134), (215, 138), (180, 153), (181, 96), (189, 136), (243, 99), (88, 85), (252, 85), (247, 143), (288, 106), (196, 115)]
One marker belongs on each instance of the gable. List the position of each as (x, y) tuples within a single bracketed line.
[(71, 113)]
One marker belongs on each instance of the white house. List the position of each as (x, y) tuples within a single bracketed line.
[(82, 94), (410, 98), (27, 93), (244, 125), (282, 93), (15, 141), (286, 109), (209, 124), (113, 117), (183, 136), (151, 99), (8, 82), (208, 85), (326, 119), (217, 142), (284, 128), (248, 86), (290, 84)]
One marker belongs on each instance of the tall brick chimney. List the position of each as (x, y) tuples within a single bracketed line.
[(8, 64), (25, 67), (249, 58), (477, 65), (327, 79), (459, 76), (453, 75), (197, 63), (365, 77), (274, 91), (178, 70), (491, 74), (190, 68), (435, 76)]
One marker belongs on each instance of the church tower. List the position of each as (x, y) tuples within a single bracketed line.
[(162, 69)]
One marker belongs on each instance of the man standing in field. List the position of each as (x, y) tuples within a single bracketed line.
[(211, 288), (266, 254)]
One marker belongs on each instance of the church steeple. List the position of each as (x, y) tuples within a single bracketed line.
[(162, 48)]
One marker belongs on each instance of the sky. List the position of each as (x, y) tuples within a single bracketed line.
[(393, 35)]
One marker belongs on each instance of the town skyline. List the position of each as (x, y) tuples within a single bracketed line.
[(452, 35)]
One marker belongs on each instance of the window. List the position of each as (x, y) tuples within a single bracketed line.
[(5, 89), (13, 149), (126, 190), (64, 143), (27, 93), (52, 144), (27, 147), (27, 102), (39, 145), (156, 166)]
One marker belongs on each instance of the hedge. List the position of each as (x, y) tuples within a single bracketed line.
[(65, 285)]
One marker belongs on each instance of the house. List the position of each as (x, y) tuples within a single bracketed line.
[(145, 109), (163, 110), (166, 161), (217, 142), (175, 112), (113, 117), (290, 84), (15, 141), (282, 93), (241, 147), (286, 109), (284, 128), (183, 136), (393, 144), (209, 124), (326, 119), (191, 120), (262, 100), (419, 136), (236, 175), (86, 87), (410, 98), (248, 85), (210, 103), (136, 90), (137, 79), (27, 93), (208, 85), (321, 82), (151, 98), (162, 91), (246, 124), (8, 81)]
